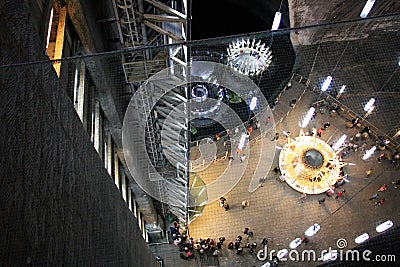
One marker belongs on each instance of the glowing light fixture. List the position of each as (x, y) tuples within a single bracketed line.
[(241, 142), (253, 103), (277, 21), (49, 28), (340, 142), (249, 57), (326, 83), (307, 118), (367, 8), (369, 153), (369, 104), (341, 91)]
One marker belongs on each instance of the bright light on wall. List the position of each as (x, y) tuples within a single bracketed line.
[(326, 83), (277, 21), (340, 142), (367, 8), (369, 153), (253, 103), (307, 118), (369, 104)]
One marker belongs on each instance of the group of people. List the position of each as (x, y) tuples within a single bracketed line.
[(202, 246), (379, 200), (240, 245)]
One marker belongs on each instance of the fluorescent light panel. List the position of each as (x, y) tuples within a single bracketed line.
[(49, 28), (342, 89), (253, 103), (369, 104), (367, 8), (242, 140), (326, 83), (307, 118), (277, 21), (340, 142), (369, 153)]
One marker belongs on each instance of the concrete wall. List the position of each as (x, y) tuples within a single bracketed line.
[(58, 205)]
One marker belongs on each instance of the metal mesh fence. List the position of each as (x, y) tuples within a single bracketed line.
[(363, 56)]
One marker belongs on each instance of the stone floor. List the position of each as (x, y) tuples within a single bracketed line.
[(275, 211)]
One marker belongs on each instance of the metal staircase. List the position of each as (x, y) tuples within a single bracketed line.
[(150, 24)]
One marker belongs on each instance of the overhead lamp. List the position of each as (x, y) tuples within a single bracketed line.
[(340, 142), (277, 21), (369, 153), (242, 140), (399, 62), (307, 118), (341, 91), (253, 103), (49, 28), (369, 104), (326, 83), (367, 8)]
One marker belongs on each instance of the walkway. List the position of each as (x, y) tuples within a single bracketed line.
[(275, 211)]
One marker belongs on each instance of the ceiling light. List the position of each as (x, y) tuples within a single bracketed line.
[(307, 118), (241, 142), (253, 103), (369, 104), (369, 153), (249, 57), (341, 91), (277, 21), (340, 142), (367, 8), (326, 83)]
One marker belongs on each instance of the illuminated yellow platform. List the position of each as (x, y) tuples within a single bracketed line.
[(309, 165)]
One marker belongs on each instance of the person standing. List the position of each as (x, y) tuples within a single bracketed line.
[(302, 197), (222, 201), (276, 137), (375, 196), (245, 203), (267, 120), (230, 159), (319, 132), (340, 194), (226, 206), (326, 125), (380, 202)]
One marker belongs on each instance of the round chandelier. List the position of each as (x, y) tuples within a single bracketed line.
[(248, 57)]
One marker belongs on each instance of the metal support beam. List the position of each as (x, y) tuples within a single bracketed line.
[(166, 8), (163, 18), (162, 31)]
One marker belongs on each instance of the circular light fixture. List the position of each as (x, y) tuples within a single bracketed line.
[(310, 165), (249, 57), (199, 93)]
